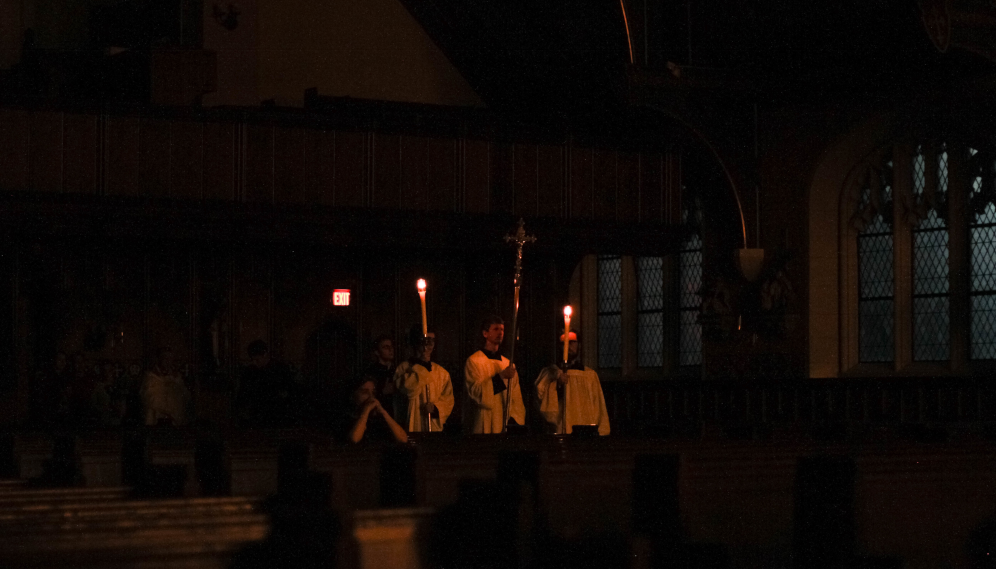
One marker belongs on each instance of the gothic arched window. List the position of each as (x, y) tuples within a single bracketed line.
[(921, 247)]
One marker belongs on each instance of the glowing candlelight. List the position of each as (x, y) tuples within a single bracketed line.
[(421, 295), (567, 328)]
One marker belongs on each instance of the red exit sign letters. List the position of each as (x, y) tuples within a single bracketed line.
[(340, 297)]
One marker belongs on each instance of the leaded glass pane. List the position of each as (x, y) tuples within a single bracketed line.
[(919, 173), (650, 343), (942, 172), (609, 311), (930, 262), (689, 302), (984, 257), (691, 279), (650, 273), (987, 216), (876, 323), (609, 284), (610, 340), (984, 327), (931, 329), (690, 342), (875, 260)]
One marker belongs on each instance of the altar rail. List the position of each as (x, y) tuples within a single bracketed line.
[(929, 406)]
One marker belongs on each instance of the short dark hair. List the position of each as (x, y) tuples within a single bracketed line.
[(490, 321), (379, 339), (257, 348)]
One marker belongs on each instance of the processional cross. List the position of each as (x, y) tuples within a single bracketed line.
[(519, 239)]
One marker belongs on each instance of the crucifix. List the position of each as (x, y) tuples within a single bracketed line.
[(519, 239)]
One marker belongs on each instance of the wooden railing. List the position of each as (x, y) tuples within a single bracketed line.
[(928, 406)]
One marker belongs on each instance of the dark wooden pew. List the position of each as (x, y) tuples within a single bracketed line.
[(71, 527)]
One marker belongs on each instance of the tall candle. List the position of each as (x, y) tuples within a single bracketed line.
[(567, 329), (421, 295)]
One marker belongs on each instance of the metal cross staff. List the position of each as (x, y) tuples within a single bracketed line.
[(519, 239)]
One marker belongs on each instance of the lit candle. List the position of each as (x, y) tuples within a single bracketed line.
[(421, 295), (567, 329)]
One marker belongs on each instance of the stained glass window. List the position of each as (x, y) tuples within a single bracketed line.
[(983, 259), (875, 287), (689, 302), (650, 311), (610, 311), (931, 297)]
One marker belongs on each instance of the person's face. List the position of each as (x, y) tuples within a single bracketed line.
[(260, 360), (385, 351), (495, 334), (572, 349), (60, 362), (429, 345), (364, 393)]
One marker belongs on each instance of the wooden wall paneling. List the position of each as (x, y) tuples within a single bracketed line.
[(447, 319), (8, 321), (123, 306), (409, 310), (80, 155), (502, 191), (580, 171), (350, 168), (551, 181), (219, 161), (259, 165), (45, 155), (121, 156), (604, 184), (477, 179), (187, 163), (169, 309), (387, 171), (300, 303), (441, 174), (628, 187), (524, 179), (651, 187), (252, 302), (380, 288), (319, 166), (155, 158), (414, 172), (289, 165), (15, 129)]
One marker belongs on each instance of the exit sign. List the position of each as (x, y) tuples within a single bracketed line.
[(340, 297)]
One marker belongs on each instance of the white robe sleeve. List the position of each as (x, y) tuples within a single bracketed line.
[(546, 393), (444, 404), (603, 413), (480, 390)]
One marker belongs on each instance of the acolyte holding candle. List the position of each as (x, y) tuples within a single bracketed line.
[(569, 393)]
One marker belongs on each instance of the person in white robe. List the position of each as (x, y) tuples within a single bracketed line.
[(571, 397), (424, 389), (492, 385), (164, 395)]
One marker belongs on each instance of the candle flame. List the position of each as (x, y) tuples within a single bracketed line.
[(421, 284), (567, 310)]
